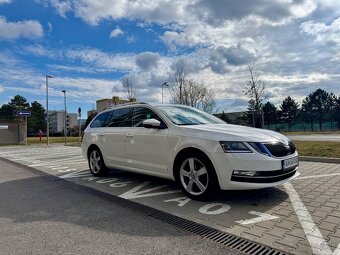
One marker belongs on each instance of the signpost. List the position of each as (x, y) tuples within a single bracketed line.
[(26, 114), (79, 116)]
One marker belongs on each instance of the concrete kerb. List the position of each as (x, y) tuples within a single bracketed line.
[(320, 159)]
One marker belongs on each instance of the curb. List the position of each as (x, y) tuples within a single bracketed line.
[(320, 159)]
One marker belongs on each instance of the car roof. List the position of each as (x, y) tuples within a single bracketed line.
[(134, 104)]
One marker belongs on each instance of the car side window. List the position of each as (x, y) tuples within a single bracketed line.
[(142, 113), (100, 120), (120, 118)]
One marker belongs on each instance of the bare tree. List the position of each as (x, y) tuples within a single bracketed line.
[(254, 90), (128, 85), (180, 75), (194, 94)]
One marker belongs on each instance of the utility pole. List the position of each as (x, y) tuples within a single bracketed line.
[(47, 117), (65, 113), (79, 116)]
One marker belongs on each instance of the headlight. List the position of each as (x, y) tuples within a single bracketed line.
[(234, 147), (260, 148)]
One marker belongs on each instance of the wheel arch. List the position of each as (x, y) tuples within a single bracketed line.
[(91, 148), (186, 151)]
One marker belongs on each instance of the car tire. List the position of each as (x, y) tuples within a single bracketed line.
[(96, 163), (196, 176)]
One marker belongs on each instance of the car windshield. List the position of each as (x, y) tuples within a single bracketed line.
[(184, 115)]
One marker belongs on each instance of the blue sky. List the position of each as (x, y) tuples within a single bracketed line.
[(90, 46)]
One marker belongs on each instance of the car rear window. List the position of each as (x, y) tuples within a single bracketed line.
[(100, 120)]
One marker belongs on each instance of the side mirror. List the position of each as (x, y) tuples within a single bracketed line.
[(151, 123)]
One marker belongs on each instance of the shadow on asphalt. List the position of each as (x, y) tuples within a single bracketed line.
[(40, 199)]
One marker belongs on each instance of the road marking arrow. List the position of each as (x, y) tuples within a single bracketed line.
[(261, 217)]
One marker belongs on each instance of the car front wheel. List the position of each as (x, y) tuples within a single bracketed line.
[(96, 163), (197, 177)]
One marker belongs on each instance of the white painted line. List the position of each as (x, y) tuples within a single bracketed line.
[(317, 176), (137, 191), (318, 244), (221, 208), (261, 217)]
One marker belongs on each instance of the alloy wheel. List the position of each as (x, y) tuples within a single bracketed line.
[(95, 162), (194, 176)]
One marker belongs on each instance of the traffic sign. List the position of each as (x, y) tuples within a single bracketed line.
[(22, 113)]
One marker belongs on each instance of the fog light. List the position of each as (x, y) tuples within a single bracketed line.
[(244, 173)]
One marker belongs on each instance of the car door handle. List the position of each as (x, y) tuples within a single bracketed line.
[(129, 135)]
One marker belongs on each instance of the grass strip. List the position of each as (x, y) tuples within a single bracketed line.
[(318, 148), (35, 140)]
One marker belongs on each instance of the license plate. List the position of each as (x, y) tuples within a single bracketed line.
[(290, 163)]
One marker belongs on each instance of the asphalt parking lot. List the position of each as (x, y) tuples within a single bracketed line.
[(41, 216), (302, 217)]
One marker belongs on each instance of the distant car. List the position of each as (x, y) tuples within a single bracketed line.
[(198, 150)]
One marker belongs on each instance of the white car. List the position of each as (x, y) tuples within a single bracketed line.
[(198, 150)]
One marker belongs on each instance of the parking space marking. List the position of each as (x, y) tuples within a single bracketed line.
[(312, 232), (180, 200), (261, 217), (221, 208), (136, 192), (317, 176)]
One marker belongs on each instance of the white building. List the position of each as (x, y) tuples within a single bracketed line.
[(56, 120)]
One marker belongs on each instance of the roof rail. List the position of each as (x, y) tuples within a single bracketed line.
[(130, 103)]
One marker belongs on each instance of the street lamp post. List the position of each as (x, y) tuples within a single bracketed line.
[(166, 85), (47, 117), (65, 113)]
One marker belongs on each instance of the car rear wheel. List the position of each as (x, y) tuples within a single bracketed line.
[(197, 176), (96, 163)]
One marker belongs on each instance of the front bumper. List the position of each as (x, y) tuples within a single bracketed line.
[(265, 176), (269, 170)]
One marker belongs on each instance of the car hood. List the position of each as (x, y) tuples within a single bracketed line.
[(228, 132)]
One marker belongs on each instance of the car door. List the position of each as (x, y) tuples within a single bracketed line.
[(146, 148), (114, 137)]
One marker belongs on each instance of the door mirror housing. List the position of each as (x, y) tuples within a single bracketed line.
[(151, 123)]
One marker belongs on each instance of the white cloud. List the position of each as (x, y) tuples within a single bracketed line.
[(5, 1), (7, 59), (62, 6), (14, 30), (2, 89), (131, 39), (116, 32), (184, 12), (75, 69), (299, 78), (322, 32), (99, 59), (38, 50), (194, 22)]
